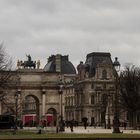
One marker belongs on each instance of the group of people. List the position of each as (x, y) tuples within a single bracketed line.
[(73, 123)]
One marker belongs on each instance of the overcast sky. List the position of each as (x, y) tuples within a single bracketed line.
[(71, 27)]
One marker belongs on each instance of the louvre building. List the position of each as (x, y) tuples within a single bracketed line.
[(60, 89)]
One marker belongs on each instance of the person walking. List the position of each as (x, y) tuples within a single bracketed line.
[(71, 125)]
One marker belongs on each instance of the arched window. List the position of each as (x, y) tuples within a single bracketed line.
[(92, 99), (30, 103), (104, 74)]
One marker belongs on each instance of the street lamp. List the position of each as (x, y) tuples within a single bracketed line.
[(16, 105), (61, 85), (108, 123), (116, 124)]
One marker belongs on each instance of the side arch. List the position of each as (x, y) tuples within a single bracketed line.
[(51, 116)]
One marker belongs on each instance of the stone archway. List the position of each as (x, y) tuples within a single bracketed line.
[(31, 110), (51, 116)]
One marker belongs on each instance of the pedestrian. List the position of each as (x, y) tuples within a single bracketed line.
[(39, 129), (21, 125), (85, 125), (67, 123), (125, 124), (94, 125), (71, 125), (14, 129), (84, 120)]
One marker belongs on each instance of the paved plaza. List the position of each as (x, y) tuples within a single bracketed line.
[(89, 130), (99, 130)]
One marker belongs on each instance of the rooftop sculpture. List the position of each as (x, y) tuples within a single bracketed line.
[(28, 64)]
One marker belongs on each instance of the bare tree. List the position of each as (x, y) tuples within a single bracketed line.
[(6, 76), (130, 91)]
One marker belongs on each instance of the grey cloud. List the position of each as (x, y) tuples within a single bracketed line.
[(74, 27)]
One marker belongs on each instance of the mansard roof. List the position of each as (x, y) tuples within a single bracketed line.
[(66, 66), (95, 58)]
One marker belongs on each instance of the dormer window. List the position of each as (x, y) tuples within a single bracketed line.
[(104, 74)]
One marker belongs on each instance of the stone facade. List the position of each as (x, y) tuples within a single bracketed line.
[(91, 96), (88, 94), (38, 96)]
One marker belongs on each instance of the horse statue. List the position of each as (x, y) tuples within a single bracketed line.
[(29, 63)]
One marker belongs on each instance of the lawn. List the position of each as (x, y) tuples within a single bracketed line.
[(27, 134)]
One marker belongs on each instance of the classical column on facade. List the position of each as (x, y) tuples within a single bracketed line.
[(43, 101), (96, 97), (79, 99), (96, 118), (88, 116), (74, 114), (63, 108), (68, 115), (80, 115), (60, 104), (100, 117)]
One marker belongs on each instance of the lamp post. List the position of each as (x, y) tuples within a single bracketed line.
[(116, 124), (61, 124), (57, 122), (108, 125), (16, 106), (88, 118)]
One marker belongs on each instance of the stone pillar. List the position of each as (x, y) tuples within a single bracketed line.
[(80, 99), (74, 100), (66, 115), (100, 117), (80, 115), (74, 115), (43, 102), (63, 108), (96, 98), (96, 116)]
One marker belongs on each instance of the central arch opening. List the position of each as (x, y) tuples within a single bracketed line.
[(31, 111)]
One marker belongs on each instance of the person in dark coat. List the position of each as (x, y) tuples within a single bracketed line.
[(71, 125), (85, 125), (84, 120), (125, 124)]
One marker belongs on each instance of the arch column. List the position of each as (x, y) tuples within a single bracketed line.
[(43, 102)]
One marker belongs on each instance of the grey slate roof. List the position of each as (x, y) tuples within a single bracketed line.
[(66, 66), (95, 58)]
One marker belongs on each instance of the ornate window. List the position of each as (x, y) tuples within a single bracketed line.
[(92, 99), (104, 74), (92, 86)]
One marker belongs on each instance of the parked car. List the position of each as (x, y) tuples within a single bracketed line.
[(7, 122)]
